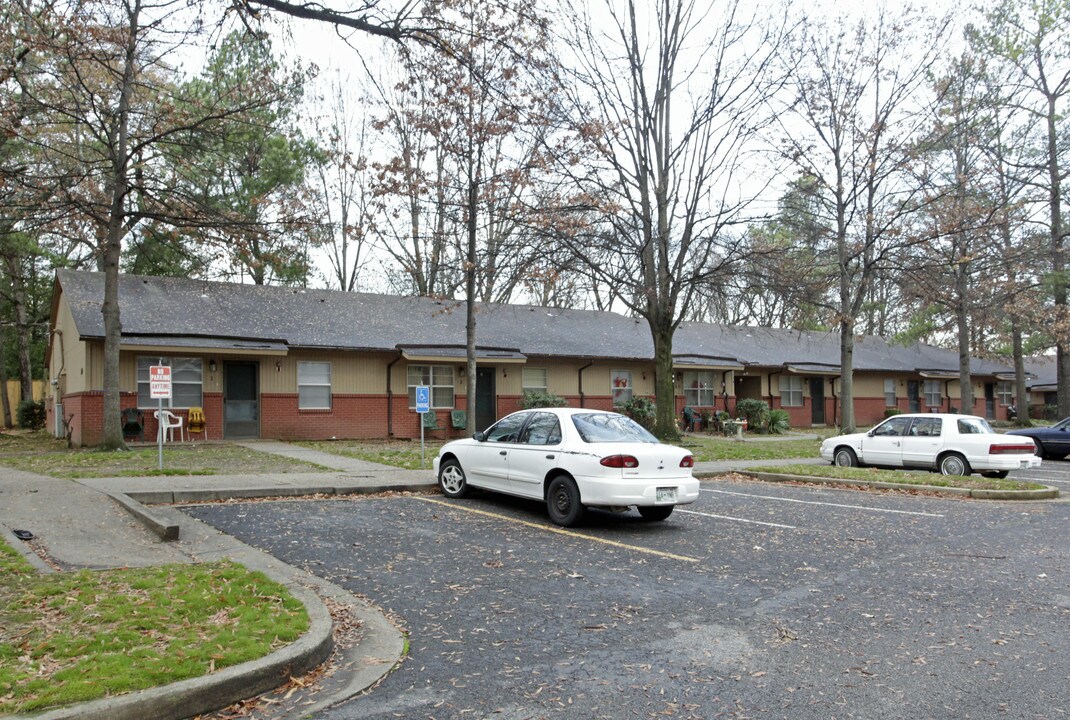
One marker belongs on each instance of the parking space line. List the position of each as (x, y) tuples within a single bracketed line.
[(735, 519), (815, 502), (558, 530)]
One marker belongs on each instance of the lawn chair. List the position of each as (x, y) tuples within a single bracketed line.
[(196, 423), (459, 419), (168, 423), (133, 424)]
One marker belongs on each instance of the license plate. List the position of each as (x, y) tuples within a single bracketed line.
[(666, 495), (1025, 464)]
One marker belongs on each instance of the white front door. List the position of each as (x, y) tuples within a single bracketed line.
[(884, 444)]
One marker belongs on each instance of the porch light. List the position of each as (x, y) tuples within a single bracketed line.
[(211, 366)]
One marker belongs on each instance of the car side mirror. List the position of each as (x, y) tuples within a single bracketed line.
[(479, 436), (871, 433)]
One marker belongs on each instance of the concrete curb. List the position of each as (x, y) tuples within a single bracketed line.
[(163, 530), (172, 497), (1048, 493), (194, 696), (20, 547)]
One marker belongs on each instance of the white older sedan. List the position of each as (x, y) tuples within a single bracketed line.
[(952, 444), (572, 459)]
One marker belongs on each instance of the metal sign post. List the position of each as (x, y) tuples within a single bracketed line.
[(423, 406), (160, 389)]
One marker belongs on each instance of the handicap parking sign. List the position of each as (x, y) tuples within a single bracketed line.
[(423, 399)]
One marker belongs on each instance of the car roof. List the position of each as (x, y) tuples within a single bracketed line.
[(947, 416)]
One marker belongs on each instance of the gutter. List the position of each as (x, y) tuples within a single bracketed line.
[(579, 376), (390, 397)]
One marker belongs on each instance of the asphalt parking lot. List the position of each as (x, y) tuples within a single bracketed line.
[(759, 600)]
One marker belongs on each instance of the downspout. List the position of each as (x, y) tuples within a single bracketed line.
[(579, 376), (947, 394), (390, 397)]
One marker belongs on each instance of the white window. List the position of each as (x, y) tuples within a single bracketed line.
[(438, 377), (791, 391), (621, 385), (699, 388), (1005, 392), (185, 382), (934, 394), (534, 380), (889, 393), (314, 385)]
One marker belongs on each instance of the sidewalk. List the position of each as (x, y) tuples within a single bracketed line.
[(91, 523)]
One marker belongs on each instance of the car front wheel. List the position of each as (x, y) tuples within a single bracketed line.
[(563, 501), (1039, 452), (954, 464), (656, 513), (845, 457), (451, 479)]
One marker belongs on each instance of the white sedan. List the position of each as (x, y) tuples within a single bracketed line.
[(571, 459), (952, 444)]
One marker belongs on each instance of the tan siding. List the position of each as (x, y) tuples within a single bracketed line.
[(69, 368)]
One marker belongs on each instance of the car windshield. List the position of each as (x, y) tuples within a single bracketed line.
[(974, 426), (606, 427)]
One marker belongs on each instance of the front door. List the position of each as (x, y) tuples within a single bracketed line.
[(817, 401), (241, 400), (990, 401), (486, 395), (913, 396)]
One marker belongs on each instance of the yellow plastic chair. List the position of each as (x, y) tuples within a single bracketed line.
[(196, 423)]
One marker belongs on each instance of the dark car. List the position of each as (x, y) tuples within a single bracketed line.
[(1052, 442)]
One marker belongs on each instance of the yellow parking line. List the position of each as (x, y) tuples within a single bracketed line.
[(559, 531)]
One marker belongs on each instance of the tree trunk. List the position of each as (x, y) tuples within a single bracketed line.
[(22, 328), (1021, 392), (962, 323), (5, 404), (665, 425), (119, 187), (1062, 351), (847, 386)]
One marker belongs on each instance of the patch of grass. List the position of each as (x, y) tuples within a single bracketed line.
[(710, 448), (74, 637), (396, 453), (901, 477), (38, 455)]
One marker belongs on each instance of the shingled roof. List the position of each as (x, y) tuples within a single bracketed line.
[(196, 313)]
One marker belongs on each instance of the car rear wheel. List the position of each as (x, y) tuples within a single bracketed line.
[(563, 501), (954, 464), (845, 457), (1000, 474), (451, 479), (656, 513)]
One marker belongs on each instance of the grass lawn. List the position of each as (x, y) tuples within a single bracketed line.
[(40, 453), (396, 453), (709, 447), (902, 477), (73, 637)]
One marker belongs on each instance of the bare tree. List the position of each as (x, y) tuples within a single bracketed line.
[(345, 191), (1033, 38), (677, 92), (852, 120)]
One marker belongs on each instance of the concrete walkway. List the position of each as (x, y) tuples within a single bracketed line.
[(101, 523)]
